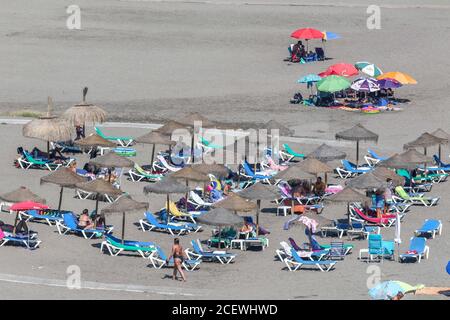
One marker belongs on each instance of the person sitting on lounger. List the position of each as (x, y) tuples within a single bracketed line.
[(246, 230), (84, 221), (388, 194), (178, 255), (319, 187)]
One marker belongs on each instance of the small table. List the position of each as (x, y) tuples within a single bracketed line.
[(361, 251), (283, 210)]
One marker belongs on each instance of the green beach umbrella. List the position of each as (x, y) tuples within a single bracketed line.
[(368, 68), (333, 84)]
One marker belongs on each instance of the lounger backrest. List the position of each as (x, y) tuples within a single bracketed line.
[(402, 193), (315, 244), (375, 243), (2, 235), (139, 169), (196, 247), (286, 247), (348, 165), (431, 224), (70, 221), (293, 244), (295, 255), (247, 169), (373, 154), (174, 209), (99, 132), (161, 253), (150, 218), (417, 244), (196, 198), (438, 161), (288, 149), (110, 237)]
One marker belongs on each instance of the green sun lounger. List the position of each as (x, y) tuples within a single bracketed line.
[(420, 200), (288, 154), (122, 141), (209, 144), (115, 246)]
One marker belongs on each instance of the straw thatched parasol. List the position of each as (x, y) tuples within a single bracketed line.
[(48, 128), (122, 205), (366, 181), (65, 178), (21, 194), (112, 160), (100, 187), (167, 186), (396, 162), (327, 153), (170, 126), (316, 167), (189, 174), (258, 192), (235, 203), (347, 195), (84, 112), (426, 140), (385, 173), (192, 117), (357, 133), (274, 125), (218, 170), (221, 217), (441, 134), (155, 138), (413, 156), (293, 172), (94, 140)]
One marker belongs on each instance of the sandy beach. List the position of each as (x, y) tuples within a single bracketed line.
[(146, 61)]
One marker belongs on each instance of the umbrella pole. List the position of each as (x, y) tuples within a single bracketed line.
[(48, 149), (96, 210), (425, 150), (348, 214), (192, 149), (258, 202), (15, 223), (357, 153), (167, 206), (123, 227), (153, 155), (292, 206), (186, 195), (326, 179), (60, 198), (439, 151)]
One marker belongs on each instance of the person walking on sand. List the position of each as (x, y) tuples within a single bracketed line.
[(178, 256)]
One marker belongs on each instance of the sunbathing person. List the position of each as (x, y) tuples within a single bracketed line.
[(84, 221), (246, 230), (178, 255), (318, 188)]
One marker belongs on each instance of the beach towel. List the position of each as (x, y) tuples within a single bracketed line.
[(310, 223)]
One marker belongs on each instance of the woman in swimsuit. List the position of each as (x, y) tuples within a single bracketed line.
[(178, 257)]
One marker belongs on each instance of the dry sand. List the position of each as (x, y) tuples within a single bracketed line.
[(146, 60)]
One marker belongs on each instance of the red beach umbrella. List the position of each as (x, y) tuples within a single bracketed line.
[(307, 33), (340, 69), (28, 205)]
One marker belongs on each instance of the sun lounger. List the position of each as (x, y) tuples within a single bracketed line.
[(402, 195), (256, 176), (287, 154), (439, 163), (358, 215), (115, 246), (417, 250), (49, 216), (296, 262), (335, 248), (64, 147), (285, 252), (26, 161), (197, 201), (163, 165), (350, 170), (159, 260), (69, 224), (430, 227), (122, 141), (139, 174), (208, 146), (373, 158), (30, 241), (379, 248), (198, 253), (356, 228), (307, 251), (177, 214), (151, 223)]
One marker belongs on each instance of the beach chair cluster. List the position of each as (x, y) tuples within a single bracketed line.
[(28, 161), (151, 223)]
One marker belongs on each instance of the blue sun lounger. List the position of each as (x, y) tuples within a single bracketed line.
[(50, 216), (198, 253), (430, 227), (373, 158), (417, 249), (151, 223), (30, 241), (441, 164), (159, 260), (350, 169), (69, 224), (296, 262), (115, 246)]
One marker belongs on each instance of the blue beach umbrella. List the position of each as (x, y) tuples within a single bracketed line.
[(309, 80), (388, 289), (327, 35)]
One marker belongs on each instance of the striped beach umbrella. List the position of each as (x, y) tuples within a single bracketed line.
[(365, 85), (401, 77), (368, 68)]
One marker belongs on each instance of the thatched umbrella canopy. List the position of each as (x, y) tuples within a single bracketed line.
[(167, 186), (274, 125), (316, 167), (112, 160), (221, 217), (294, 172), (327, 153), (170, 126), (189, 174), (235, 203), (218, 170), (426, 140), (385, 173), (441, 134), (48, 128), (84, 112), (357, 133), (258, 192), (122, 205), (348, 195), (366, 181), (154, 138), (65, 178), (21, 194), (100, 187), (94, 140), (192, 117), (413, 156)]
